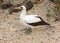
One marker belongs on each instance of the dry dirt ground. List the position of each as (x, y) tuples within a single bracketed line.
[(10, 28)]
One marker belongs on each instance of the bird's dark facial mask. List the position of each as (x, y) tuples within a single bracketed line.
[(21, 8)]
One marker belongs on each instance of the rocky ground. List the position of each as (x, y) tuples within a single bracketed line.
[(10, 28)]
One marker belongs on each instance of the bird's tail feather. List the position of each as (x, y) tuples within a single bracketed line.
[(44, 23)]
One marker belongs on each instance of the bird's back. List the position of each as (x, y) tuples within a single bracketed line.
[(31, 18)]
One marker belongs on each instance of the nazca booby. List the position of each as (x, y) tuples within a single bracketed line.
[(30, 20)]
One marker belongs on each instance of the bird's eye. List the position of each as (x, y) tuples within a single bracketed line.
[(21, 8)]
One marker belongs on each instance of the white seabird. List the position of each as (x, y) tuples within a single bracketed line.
[(30, 20)]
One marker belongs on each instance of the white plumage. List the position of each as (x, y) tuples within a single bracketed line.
[(30, 20)]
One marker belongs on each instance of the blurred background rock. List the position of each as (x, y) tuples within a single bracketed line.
[(8, 3), (20, 1)]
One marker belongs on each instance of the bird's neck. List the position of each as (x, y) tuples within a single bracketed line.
[(23, 12)]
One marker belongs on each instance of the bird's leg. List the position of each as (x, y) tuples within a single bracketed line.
[(28, 30)]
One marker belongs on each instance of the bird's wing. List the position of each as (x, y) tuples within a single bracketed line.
[(32, 19)]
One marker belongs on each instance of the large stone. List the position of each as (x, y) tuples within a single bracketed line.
[(1, 1)]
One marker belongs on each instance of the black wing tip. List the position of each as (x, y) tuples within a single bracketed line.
[(38, 23), (47, 24)]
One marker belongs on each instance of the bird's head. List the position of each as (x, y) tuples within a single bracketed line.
[(22, 8)]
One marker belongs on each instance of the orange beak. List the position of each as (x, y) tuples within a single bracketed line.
[(19, 8)]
